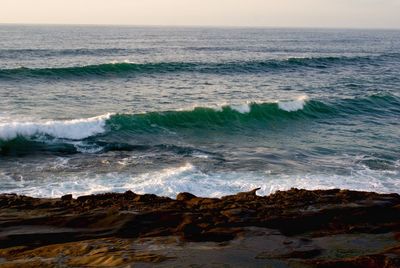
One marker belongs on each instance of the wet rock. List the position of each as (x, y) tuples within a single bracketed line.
[(371, 261), (190, 231), (146, 198), (129, 194), (307, 253), (185, 196), (36, 223), (67, 197)]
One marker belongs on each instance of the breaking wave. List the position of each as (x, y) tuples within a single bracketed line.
[(65, 135)]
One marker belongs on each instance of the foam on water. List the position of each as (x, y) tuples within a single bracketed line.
[(75, 129), (188, 178), (158, 143), (242, 108), (59, 135), (78, 129), (288, 106), (292, 106)]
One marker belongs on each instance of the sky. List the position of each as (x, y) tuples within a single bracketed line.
[(257, 13)]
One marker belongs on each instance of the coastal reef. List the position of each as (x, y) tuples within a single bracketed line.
[(294, 228)]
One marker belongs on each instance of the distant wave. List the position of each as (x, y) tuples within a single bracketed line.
[(26, 53), (127, 68)]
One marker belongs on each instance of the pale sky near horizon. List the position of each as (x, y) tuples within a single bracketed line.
[(269, 13)]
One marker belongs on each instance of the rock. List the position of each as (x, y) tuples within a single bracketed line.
[(369, 261), (185, 196), (129, 195), (191, 231), (146, 198), (237, 212), (67, 197), (250, 195), (308, 253), (32, 223)]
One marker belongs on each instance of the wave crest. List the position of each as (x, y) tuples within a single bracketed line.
[(295, 105), (75, 129), (118, 129)]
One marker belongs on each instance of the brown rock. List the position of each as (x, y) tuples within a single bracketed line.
[(28, 223), (185, 196), (67, 197)]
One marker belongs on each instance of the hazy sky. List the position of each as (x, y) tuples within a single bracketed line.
[(281, 13)]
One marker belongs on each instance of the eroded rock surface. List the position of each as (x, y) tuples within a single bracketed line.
[(300, 228)]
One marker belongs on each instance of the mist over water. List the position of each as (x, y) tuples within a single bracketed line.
[(210, 111)]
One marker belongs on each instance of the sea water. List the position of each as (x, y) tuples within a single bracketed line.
[(212, 111)]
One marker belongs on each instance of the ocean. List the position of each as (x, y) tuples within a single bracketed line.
[(211, 111)]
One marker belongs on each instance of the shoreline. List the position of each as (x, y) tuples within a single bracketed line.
[(302, 228)]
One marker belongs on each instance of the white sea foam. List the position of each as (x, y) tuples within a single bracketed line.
[(289, 105), (188, 178), (294, 105), (241, 108), (123, 61), (66, 129), (218, 108), (245, 107)]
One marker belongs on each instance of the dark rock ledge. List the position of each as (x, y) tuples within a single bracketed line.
[(295, 228)]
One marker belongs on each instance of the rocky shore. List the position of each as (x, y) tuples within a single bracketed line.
[(295, 228)]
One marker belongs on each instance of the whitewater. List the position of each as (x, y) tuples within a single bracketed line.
[(78, 129), (208, 111)]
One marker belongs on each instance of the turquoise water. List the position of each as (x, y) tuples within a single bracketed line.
[(212, 111)]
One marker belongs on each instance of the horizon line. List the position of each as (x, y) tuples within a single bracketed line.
[(198, 26)]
